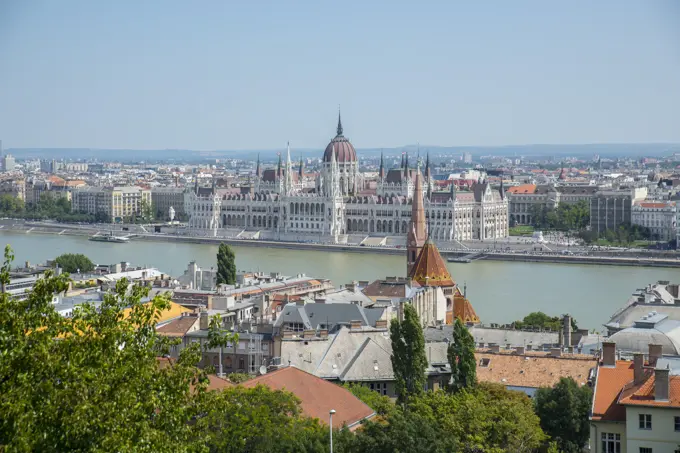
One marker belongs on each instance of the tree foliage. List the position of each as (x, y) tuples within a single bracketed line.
[(382, 405), (461, 355), (566, 216), (408, 354), (539, 320), (48, 207), (563, 410), (74, 262), (488, 418), (226, 265)]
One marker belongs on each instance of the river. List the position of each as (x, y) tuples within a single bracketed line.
[(499, 291)]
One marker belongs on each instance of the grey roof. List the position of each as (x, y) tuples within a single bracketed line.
[(501, 337), (637, 339), (313, 314), (635, 311), (241, 335)]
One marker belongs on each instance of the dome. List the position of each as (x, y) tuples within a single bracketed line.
[(344, 151)]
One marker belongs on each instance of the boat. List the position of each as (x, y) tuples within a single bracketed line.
[(109, 238)]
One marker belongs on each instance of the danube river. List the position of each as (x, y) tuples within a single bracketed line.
[(500, 291)]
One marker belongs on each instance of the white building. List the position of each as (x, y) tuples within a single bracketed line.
[(659, 216), (281, 205)]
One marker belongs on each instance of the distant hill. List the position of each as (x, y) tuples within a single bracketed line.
[(185, 155)]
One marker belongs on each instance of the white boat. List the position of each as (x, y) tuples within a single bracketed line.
[(109, 238)]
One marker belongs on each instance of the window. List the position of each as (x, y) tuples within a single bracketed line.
[(645, 450), (645, 421), (677, 423), (611, 443), (380, 387)]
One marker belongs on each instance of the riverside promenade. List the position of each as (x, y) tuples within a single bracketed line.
[(494, 251)]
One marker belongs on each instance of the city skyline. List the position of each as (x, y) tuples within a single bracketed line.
[(166, 75)]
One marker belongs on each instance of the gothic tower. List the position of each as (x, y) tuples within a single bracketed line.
[(417, 233)]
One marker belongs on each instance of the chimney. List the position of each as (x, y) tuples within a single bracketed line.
[(210, 302), (495, 348), (556, 352), (608, 353), (381, 324), (307, 334), (323, 333), (655, 353), (566, 331), (519, 350), (638, 367), (661, 383), (204, 320), (355, 324)]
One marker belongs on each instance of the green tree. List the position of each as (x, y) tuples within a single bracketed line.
[(239, 378), (382, 405), (488, 418), (563, 410), (74, 262), (461, 355), (226, 265), (147, 211), (408, 354)]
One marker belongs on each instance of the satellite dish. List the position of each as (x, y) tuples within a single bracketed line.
[(263, 369)]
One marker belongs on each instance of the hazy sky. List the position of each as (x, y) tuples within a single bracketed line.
[(255, 74)]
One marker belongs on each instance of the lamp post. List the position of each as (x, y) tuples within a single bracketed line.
[(332, 411)]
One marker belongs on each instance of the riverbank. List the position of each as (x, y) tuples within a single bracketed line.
[(534, 256)]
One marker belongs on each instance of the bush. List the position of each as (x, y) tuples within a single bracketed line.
[(74, 262)]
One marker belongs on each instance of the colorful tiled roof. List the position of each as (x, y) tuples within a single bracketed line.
[(430, 268), (462, 309), (610, 382)]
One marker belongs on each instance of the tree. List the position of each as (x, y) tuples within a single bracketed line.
[(93, 382), (74, 262), (488, 418), (461, 355), (382, 405), (147, 211), (563, 410), (226, 265), (408, 354)]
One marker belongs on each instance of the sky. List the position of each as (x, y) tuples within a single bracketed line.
[(220, 75)]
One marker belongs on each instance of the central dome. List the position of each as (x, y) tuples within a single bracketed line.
[(344, 151)]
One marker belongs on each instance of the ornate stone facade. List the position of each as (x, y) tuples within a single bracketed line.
[(282, 205)]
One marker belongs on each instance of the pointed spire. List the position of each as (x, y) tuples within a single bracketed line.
[(402, 160), (339, 123), (289, 170), (257, 169), (427, 167), (453, 190), (300, 171), (278, 170), (502, 190), (381, 172)]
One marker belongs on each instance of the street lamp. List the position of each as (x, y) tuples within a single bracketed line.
[(332, 411)]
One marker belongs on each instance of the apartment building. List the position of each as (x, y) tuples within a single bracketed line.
[(611, 208), (118, 203), (659, 216), (164, 198), (636, 404)]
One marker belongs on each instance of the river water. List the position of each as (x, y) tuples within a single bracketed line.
[(499, 291)]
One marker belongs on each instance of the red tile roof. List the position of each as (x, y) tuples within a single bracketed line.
[(523, 188), (430, 268), (643, 394), (317, 396), (610, 382)]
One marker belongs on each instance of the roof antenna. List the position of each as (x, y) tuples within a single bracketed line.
[(465, 289)]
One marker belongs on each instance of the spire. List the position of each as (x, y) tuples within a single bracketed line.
[(289, 170), (402, 161), (381, 173), (417, 229), (278, 170), (300, 171), (502, 190), (257, 169), (339, 123), (427, 167), (453, 190)]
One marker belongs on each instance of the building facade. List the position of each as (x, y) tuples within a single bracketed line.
[(164, 198), (659, 216), (280, 205), (611, 208), (118, 203)]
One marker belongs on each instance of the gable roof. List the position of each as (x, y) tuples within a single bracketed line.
[(317, 396), (177, 327), (610, 381), (523, 188), (643, 394)]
